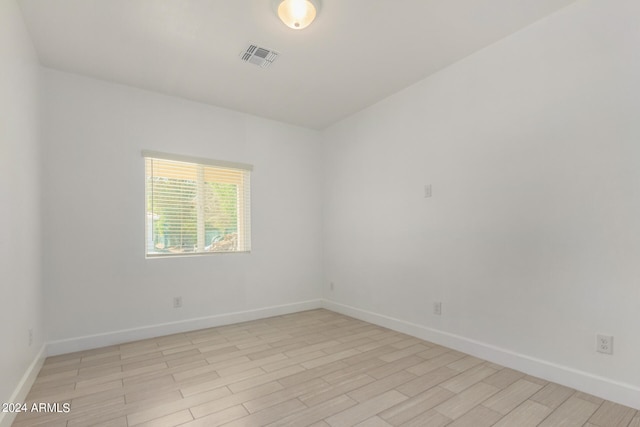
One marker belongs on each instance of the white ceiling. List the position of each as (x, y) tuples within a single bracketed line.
[(356, 53)]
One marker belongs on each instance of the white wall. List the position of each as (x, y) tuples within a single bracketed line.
[(532, 237), (97, 279), (20, 279)]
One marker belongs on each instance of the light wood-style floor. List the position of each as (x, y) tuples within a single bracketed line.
[(313, 368)]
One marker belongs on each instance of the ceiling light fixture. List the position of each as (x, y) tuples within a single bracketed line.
[(298, 14)]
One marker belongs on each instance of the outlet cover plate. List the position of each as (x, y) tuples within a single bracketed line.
[(437, 308), (604, 344)]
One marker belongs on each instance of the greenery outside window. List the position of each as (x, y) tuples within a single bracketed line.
[(196, 206)]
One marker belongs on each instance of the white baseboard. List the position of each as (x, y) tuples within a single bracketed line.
[(118, 337), (21, 391), (624, 394)]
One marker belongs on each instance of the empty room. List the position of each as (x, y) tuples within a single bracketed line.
[(320, 213)]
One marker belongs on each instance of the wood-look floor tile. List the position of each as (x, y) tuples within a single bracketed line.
[(407, 351), (47, 370), (37, 418), (269, 415), (257, 380), (391, 368), (220, 382), (536, 380), (511, 397), (290, 361), (339, 375), (218, 418), (589, 397), (99, 371), (329, 391), (38, 394), (435, 363), (467, 362), (198, 371), (101, 412), (480, 416), (368, 333), (407, 342), (528, 414), (463, 402), (170, 420), (378, 387), (573, 412), (186, 360), (82, 400), (161, 384), (316, 413), (467, 378), (250, 364), (504, 378), (362, 411), (220, 356), (325, 360), (302, 369), (311, 348), (635, 422), (367, 343), (431, 418), (175, 406), (69, 392), (116, 422), (61, 360), (271, 399), (98, 351), (53, 420), (278, 349), (610, 414), (427, 381), (414, 406), (209, 407), (389, 338), (373, 422), (553, 395), (372, 353), (494, 365), (433, 351), (56, 379), (309, 374), (120, 375)]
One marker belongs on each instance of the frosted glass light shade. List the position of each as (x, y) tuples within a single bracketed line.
[(297, 14)]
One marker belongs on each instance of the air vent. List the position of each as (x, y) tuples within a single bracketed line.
[(259, 56)]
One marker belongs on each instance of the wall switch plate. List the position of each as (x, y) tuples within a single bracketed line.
[(437, 308), (427, 191), (331, 285), (177, 302), (604, 344), (30, 336)]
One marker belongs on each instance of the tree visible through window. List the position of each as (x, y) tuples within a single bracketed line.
[(200, 206)]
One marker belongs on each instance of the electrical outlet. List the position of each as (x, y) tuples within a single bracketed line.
[(30, 336), (177, 302), (437, 308), (604, 344), (331, 285)]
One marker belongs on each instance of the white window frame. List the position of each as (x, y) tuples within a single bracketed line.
[(243, 204)]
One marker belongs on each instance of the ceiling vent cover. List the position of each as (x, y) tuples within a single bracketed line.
[(259, 56)]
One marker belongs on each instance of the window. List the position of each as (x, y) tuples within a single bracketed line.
[(196, 206)]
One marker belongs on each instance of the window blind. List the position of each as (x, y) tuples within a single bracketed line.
[(196, 206)]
